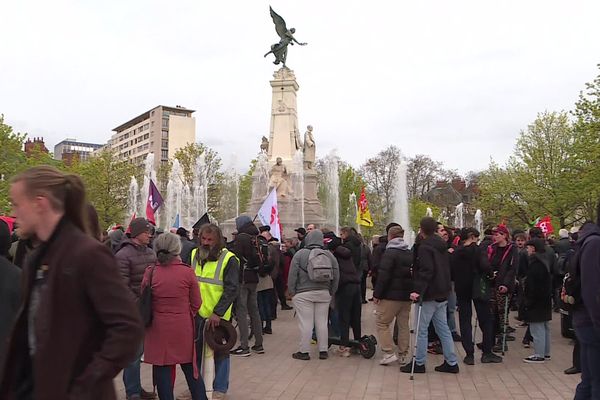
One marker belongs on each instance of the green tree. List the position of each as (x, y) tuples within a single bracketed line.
[(107, 180), (587, 146), (245, 193), (380, 175), (12, 160), (417, 209), (350, 184)]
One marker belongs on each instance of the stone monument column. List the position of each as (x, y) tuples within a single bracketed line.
[(284, 137)]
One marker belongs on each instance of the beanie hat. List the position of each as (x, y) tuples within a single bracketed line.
[(563, 233), (241, 221), (139, 226), (503, 230)]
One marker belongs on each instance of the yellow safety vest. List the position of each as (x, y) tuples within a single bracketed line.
[(210, 280)]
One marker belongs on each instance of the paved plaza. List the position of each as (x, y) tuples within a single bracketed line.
[(275, 375)]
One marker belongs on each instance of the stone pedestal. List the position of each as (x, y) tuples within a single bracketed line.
[(284, 142)]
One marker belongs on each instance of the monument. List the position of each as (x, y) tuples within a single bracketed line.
[(285, 162)]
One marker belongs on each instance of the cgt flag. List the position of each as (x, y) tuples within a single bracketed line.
[(269, 214), (545, 224), (155, 200), (363, 217)]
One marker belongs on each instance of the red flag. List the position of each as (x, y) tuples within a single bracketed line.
[(545, 224), (155, 200), (129, 226)]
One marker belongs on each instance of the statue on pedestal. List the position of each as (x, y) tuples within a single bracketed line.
[(309, 148), (287, 37), (279, 178), (264, 145)]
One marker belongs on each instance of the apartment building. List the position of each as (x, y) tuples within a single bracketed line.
[(162, 130), (70, 149)]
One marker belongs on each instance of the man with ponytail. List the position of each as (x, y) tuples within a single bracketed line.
[(78, 324)]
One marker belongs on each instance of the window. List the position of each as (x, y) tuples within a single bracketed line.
[(164, 144), (165, 134), (164, 154), (152, 122), (146, 126), (146, 136), (165, 123)]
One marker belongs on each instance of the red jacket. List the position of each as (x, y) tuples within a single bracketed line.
[(175, 302)]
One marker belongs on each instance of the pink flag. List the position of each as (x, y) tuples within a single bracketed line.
[(155, 200)]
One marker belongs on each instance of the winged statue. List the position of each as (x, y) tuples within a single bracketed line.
[(279, 50)]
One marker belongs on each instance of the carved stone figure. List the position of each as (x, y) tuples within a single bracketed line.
[(264, 146), (287, 37), (297, 140), (309, 148), (279, 178)]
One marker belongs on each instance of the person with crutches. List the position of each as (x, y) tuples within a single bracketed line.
[(471, 270), (503, 257), (431, 289)]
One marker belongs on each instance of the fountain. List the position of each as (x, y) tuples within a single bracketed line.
[(400, 211), (459, 216), (354, 204), (479, 221), (199, 198), (132, 200), (298, 180), (173, 204), (260, 188), (429, 212), (332, 181)]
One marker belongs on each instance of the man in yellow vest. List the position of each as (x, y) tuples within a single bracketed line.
[(217, 270)]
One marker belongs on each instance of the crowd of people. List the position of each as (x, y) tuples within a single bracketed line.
[(103, 303)]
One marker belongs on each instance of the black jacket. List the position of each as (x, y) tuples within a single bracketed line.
[(507, 268), (537, 293), (186, 250), (245, 249), (348, 271), (377, 255), (468, 264), (432, 277), (354, 245), (395, 277)]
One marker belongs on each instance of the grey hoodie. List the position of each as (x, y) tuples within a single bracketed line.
[(298, 280), (397, 243)]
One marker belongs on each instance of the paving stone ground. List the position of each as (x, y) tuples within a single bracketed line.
[(275, 375)]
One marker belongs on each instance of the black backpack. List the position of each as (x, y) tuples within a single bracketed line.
[(260, 260)]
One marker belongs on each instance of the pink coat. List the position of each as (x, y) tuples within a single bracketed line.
[(175, 302)]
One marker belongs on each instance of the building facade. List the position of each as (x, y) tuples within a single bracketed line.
[(31, 145), (162, 130), (70, 149)]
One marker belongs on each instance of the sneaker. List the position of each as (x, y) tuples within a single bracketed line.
[(548, 358), (285, 307), (323, 355), (490, 358), (456, 337), (534, 360), (407, 369), (388, 359), (498, 348), (301, 356), (572, 371), (445, 367), (267, 331), (469, 359), (258, 349), (147, 395), (218, 395), (240, 352), (404, 359)]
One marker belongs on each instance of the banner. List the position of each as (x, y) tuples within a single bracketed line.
[(545, 224), (268, 214), (363, 217), (155, 200)]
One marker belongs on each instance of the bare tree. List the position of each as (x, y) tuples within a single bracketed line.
[(379, 173), (422, 174)]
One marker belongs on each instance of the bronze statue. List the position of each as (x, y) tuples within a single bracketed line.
[(287, 37)]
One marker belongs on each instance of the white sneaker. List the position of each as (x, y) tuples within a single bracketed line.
[(404, 359), (388, 359)]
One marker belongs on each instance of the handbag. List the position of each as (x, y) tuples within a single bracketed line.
[(145, 303)]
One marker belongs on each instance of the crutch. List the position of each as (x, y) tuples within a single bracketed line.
[(505, 323), (414, 357)]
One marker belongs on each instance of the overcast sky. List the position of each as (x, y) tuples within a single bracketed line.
[(456, 80)]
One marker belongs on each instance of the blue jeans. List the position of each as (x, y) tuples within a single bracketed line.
[(131, 375), (589, 387), (541, 338), (451, 311), (164, 385), (432, 311), (222, 368), (264, 298)]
